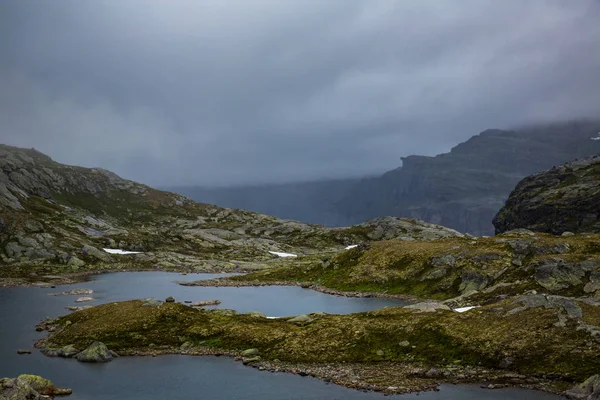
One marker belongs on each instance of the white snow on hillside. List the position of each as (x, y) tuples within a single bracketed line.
[(119, 251), (464, 309), (351, 246), (283, 254)]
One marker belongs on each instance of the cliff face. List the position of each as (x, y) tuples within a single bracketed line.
[(562, 199), (466, 187), (462, 189)]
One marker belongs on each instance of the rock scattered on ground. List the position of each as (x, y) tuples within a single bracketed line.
[(73, 292), (84, 299)]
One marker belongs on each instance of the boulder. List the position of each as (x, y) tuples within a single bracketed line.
[(151, 302), (93, 252), (588, 390), (302, 319), (556, 274), (250, 353), (97, 352), (473, 281), (256, 314), (428, 306), (84, 299), (29, 387), (170, 299)]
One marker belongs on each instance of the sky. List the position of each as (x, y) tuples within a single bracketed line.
[(230, 92)]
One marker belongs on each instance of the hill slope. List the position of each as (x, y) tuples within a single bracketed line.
[(56, 218), (564, 198)]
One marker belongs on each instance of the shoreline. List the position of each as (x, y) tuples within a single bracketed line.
[(224, 282), (394, 378), (78, 277)]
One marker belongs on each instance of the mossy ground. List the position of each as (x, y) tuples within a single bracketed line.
[(410, 267), (486, 337)]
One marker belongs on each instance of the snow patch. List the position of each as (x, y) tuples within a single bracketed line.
[(464, 309), (283, 254), (350, 247), (119, 251)]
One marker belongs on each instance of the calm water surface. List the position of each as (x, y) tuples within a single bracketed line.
[(177, 377)]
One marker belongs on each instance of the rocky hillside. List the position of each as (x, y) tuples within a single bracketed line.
[(562, 199), (470, 271), (56, 218), (462, 189)]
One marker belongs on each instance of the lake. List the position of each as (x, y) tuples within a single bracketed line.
[(177, 377)]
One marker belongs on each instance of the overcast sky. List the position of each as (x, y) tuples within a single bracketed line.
[(252, 91)]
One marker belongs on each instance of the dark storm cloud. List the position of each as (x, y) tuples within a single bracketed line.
[(220, 92)]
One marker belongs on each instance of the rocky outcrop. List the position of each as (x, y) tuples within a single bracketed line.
[(564, 199), (588, 390), (29, 387), (97, 352)]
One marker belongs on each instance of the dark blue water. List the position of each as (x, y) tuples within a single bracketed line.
[(185, 377)]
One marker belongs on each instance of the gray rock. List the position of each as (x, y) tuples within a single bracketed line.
[(428, 306), (151, 302), (473, 281), (13, 249), (250, 353), (75, 262), (96, 253), (556, 274), (170, 299), (224, 311), (588, 390), (256, 314), (97, 352), (302, 319)]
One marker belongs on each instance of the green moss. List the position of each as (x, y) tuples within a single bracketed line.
[(486, 337)]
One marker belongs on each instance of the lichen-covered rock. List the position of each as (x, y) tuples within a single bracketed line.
[(250, 353), (588, 390), (97, 352), (555, 274), (562, 199), (428, 306), (302, 319), (256, 314), (29, 387), (95, 253)]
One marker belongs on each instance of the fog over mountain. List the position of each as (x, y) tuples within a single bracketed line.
[(250, 92)]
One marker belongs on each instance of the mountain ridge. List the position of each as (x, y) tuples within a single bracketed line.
[(462, 189)]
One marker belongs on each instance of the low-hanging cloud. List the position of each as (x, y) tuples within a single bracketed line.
[(228, 92)]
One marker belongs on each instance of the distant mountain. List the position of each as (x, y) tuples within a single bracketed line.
[(465, 188), (462, 189), (310, 202), (562, 199)]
